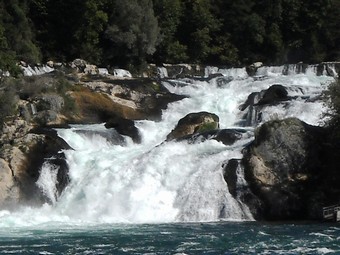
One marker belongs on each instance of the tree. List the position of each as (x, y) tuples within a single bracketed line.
[(243, 27), (88, 34), (18, 31), (7, 57), (132, 32), (169, 15), (197, 29)]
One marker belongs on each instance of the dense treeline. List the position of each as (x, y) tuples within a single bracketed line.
[(133, 32)]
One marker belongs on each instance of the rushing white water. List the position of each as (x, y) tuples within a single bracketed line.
[(47, 181), (158, 181)]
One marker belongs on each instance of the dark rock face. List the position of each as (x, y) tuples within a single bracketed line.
[(284, 167), (48, 149), (238, 188), (124, 127), (194, 123), (21, 164), (273, 95)]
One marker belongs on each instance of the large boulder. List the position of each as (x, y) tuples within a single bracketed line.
[(124, 127), (194, 123), (284, 167)]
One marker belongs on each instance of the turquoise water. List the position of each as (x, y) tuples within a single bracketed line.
[(188, 238)]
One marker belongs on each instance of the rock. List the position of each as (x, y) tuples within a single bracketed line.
[(48, 117), (184, 70), (20, 166), (124, 127), (194, 123), (133, 99), (79, 65), (50, 63), (91, 69), (275, 94), (283, 168), (251, 70), (52, 102), (230, 175), (48, 148), (238, 188)]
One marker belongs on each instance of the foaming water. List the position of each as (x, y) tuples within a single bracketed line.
[(116, 181)]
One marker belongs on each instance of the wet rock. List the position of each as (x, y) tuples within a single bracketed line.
[(194, 123), (21, 163), (239, 189), (275, 94), (283, 166), (251, 69), (124, 127)]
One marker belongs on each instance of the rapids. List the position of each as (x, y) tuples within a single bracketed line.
[(163, 182)]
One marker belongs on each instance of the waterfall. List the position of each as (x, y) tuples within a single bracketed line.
[(47, 181), (113, 180)]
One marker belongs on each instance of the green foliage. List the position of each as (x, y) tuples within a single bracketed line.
[(169, 15), (18, 30), (207, 127), (198, 28), (93, 23), (132, 31)]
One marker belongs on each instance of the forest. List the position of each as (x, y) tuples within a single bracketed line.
[(134, 32)]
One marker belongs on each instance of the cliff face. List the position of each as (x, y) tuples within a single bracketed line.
[(288, 168)]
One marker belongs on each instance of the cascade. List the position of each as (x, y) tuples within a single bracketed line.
[(155, 181)]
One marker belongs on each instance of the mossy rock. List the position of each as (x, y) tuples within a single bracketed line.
[(194, 123)]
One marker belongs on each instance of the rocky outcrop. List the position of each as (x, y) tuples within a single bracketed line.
[(194, 123), (132, 99), (124, 127), (21, 158), (285, 169)]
